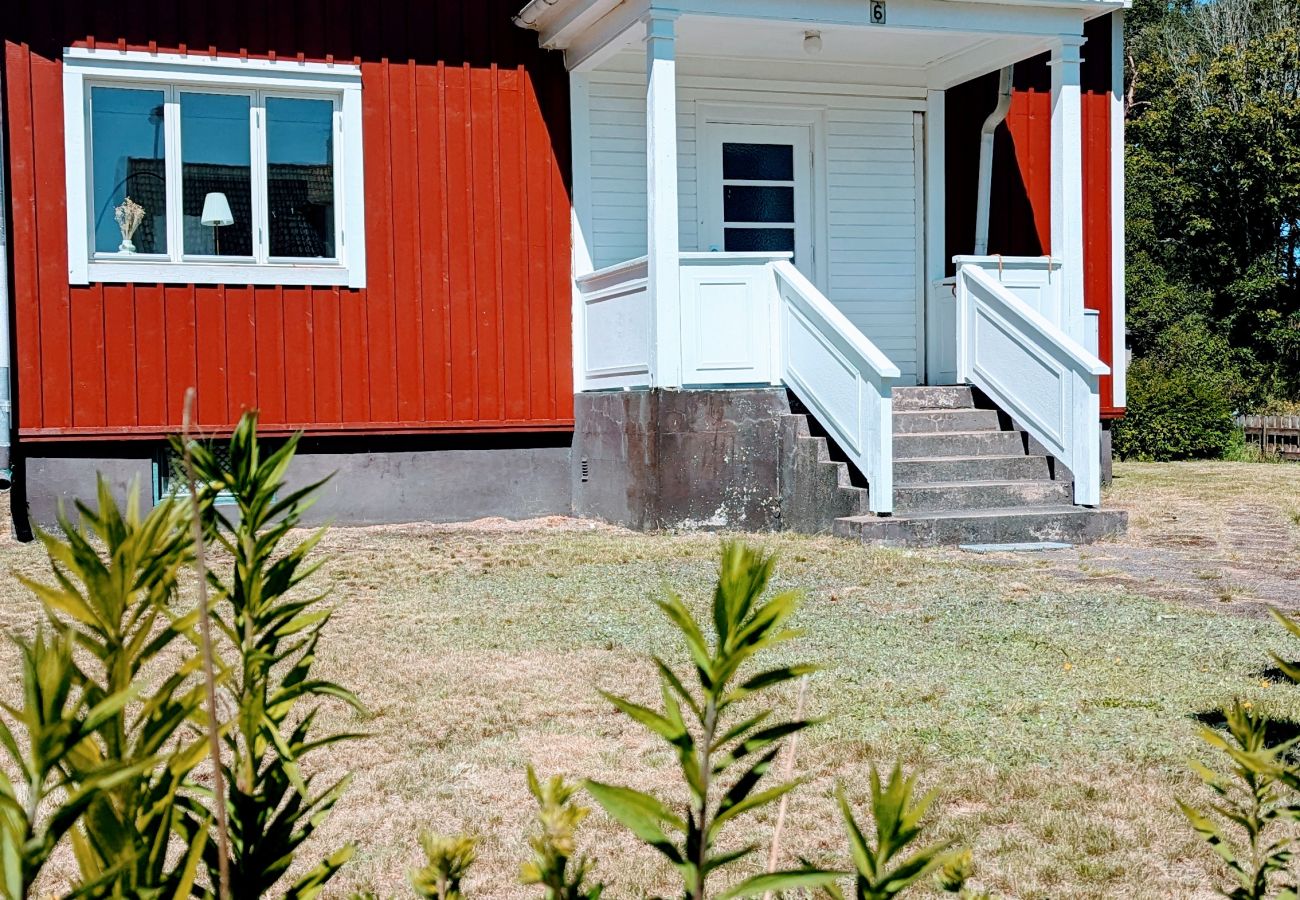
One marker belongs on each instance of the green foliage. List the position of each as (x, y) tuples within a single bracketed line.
[(887, 868), (447, 861), (722, 755), (1174, 413), (1213, 188), (273, 627), (1255, 800), (116, 604), (56, 724), (553, 866)]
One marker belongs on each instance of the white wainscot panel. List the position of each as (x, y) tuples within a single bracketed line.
[(727, 312), (1022, 371), (812, 361)]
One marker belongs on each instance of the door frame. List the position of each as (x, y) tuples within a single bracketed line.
[(713, 120)]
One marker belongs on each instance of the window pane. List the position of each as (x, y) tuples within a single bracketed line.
[(300, 176), (757, 204), (127, 146), (758, 162), (760, 240), (216, 164)]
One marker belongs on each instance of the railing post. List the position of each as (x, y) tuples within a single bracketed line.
[(664, 278), (1067, 178)]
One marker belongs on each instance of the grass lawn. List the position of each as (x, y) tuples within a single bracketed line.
[(1057, 714)]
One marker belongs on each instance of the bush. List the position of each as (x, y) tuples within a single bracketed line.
[(1174, 412)]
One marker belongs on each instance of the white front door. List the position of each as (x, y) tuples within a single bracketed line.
[(756, 192)]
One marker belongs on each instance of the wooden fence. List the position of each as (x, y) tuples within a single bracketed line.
[(1273, 434)]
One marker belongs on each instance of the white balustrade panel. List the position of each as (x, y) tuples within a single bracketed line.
[(1034, 279), (843, 379), (615, 327), (728, 319), (1034, 371)]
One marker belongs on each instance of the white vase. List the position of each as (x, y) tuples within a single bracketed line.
[(126, 246)]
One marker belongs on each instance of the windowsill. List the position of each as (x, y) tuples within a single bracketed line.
[(286, 274)]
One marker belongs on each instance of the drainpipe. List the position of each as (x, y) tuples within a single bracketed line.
[(6, 395), (987, 133)]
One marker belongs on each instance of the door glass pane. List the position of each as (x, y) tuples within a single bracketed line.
[(759, 240), (745, 203), (758, 162), (300, 176), (216, 174), (126, 153)]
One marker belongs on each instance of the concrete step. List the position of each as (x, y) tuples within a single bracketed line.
[(933, 397), (816, 488), (959, 443), (970, 468), (1069, 524), (959, 496), (920, 421)]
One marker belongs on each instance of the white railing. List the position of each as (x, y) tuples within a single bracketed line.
[(843, 379), (1034, 279), (1044, 379), (614, 327), (729, 321)]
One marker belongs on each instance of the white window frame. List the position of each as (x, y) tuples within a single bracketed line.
[(84, 68)]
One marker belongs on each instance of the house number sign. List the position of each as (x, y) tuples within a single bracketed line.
[(877, 12)]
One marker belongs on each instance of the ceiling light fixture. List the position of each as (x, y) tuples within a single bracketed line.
[(812, 42)]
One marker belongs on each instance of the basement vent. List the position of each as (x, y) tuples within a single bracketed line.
[(169, 474), (586, 470)]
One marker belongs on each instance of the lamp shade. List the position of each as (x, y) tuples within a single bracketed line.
[(216, 210)]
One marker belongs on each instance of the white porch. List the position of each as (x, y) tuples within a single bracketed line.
[(759, 199)]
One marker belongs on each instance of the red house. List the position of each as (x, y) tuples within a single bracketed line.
[(851, 265)]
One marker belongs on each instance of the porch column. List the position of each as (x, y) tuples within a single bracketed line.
[(1067, 178), (661, 198)]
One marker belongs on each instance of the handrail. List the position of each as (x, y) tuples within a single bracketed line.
[(842, 377), (1044, 379)]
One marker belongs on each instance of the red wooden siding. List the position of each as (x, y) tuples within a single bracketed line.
[(464, 324), (1020, 216)]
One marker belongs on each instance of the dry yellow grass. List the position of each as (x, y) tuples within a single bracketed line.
[(1057, 714)]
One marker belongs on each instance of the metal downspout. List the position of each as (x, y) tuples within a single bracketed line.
[(6, 391), (987, 133)]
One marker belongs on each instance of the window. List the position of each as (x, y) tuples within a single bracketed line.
[(198, 169), (758, 197)]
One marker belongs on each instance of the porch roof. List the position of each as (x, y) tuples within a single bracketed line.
[(961, 37)]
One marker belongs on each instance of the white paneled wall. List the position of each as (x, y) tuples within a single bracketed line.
[(868, 212)]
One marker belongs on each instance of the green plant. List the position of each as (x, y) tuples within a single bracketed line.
[(553, 866), (273, 626), (116, 602), (881, 870), (447, 860), (56, 723), (718, 741), (1173, 413), (1254, 798)]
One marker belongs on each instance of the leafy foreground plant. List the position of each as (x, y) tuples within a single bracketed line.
[(274, 630), (447, 861), (717, 744), (1260, 797), (553, 866), (880, 872)]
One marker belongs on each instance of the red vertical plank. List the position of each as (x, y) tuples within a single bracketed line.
[(213, 408), (268, 303), (120, 355), (538, 162), (26, 298), (178, 339), (327, 388), (151, 354), (484, 167), (429, 109), (405, 214), (90, 404), (354, 351), (52, 244), (241, 351), (382, 374), (299, 357), (513, 264), (561, 364), (465, 378)]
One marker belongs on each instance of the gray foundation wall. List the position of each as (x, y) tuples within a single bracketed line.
[(680, 459), (435, 481)]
